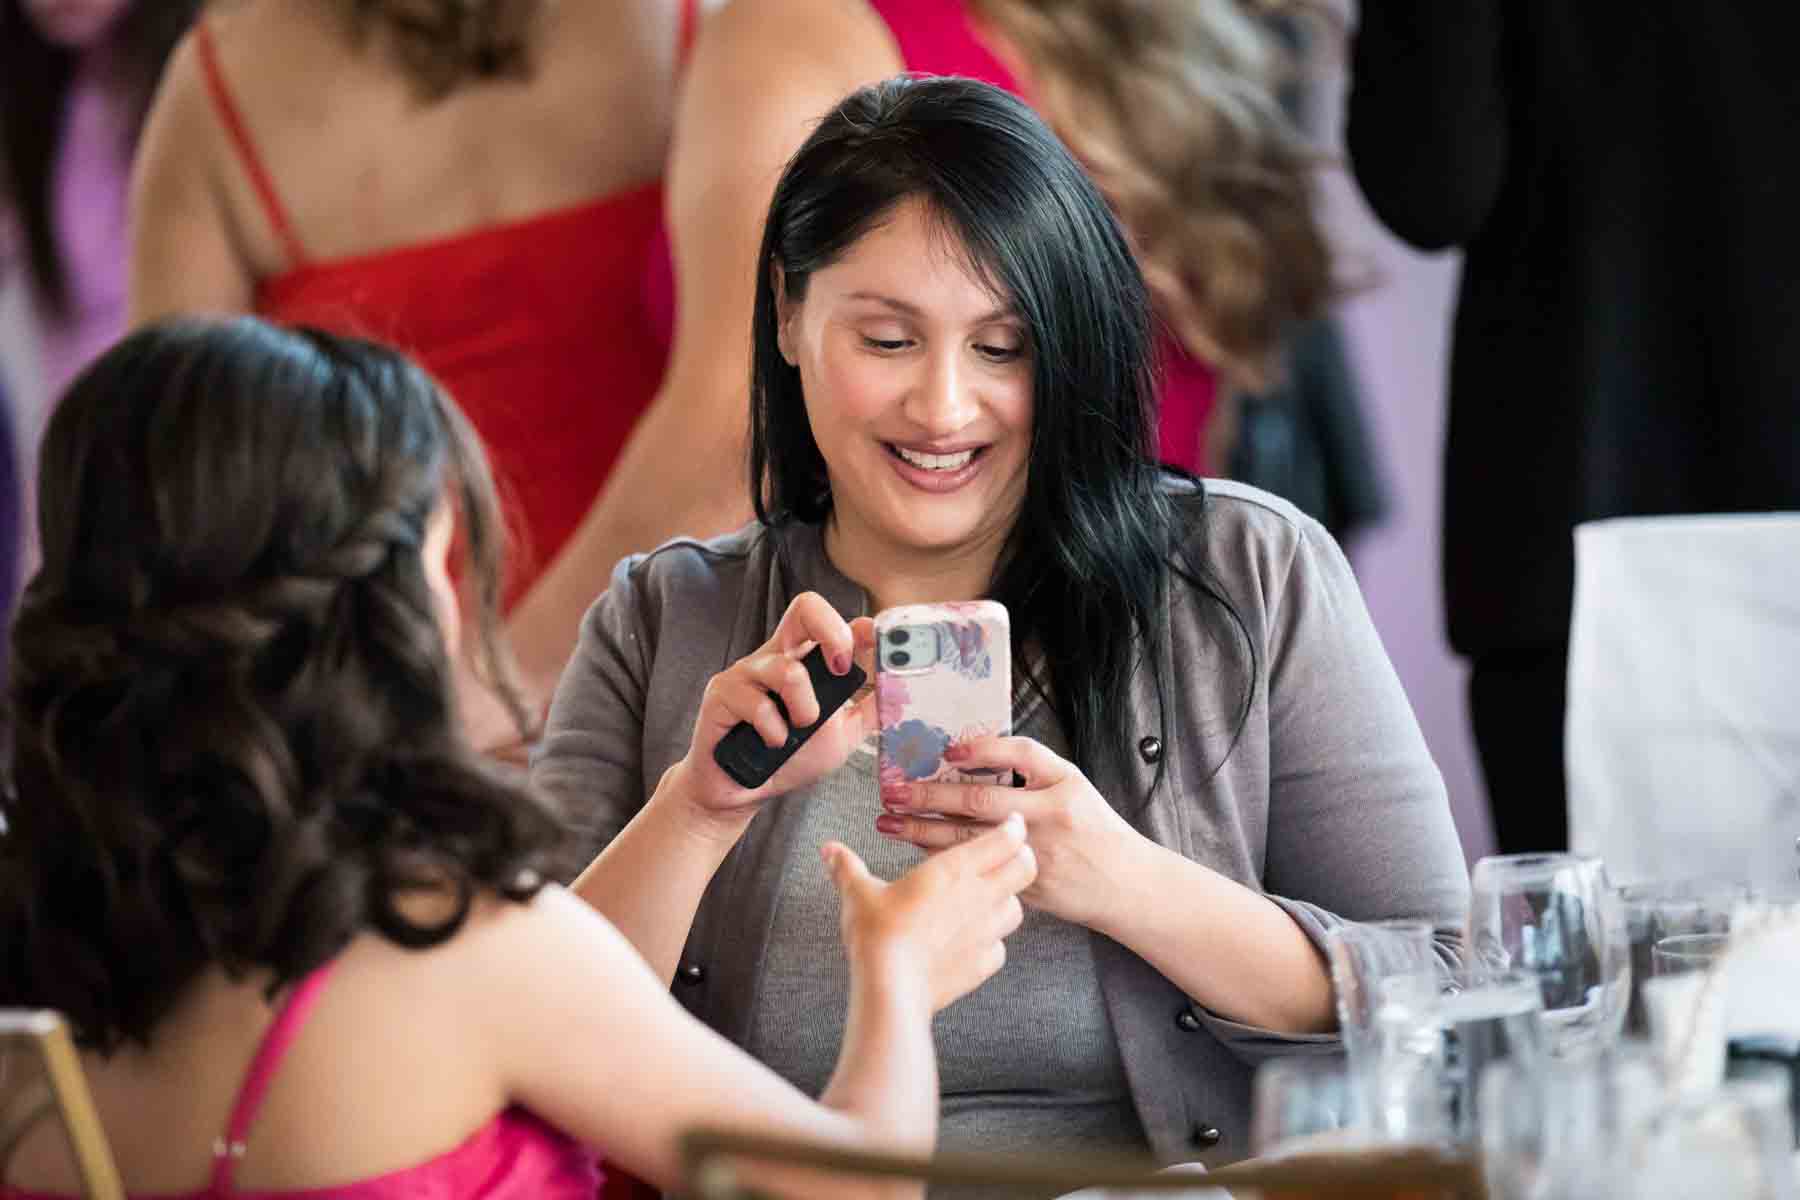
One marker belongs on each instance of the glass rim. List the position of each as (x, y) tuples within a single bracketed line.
[(1695, 890), (1692, 947), (1472, 975), (1537, 858)]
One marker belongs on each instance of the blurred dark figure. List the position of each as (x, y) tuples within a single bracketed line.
[(1627, 338), (1306, 438)]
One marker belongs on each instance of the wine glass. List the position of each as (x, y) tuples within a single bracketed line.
[(1556, 917)]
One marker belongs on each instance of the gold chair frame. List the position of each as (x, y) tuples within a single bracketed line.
[(44, 1037)]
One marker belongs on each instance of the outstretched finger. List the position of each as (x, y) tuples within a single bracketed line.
[(984, 802), (1033, 762), (928, 834), (1016, 873), (982, 852), (849, 874)]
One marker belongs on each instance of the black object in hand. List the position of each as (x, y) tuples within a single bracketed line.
[(742, 753)]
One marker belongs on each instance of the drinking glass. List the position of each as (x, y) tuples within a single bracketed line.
[(1556, 917), (1684, 1000), (1687, 952), (1362, 955), (1495, 1015), (1665, 908), (1401, 1095), (1731, 1141), (1300, 1102), (1553, 1128)]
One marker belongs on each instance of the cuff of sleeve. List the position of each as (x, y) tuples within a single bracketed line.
[(1252, 1044)]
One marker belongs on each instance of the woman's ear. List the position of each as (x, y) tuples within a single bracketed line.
[(785, 314)]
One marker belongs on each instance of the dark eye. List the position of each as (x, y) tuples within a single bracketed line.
[(998, 354), (885, 345)]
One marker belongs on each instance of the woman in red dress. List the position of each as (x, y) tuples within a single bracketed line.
[(479, 184)]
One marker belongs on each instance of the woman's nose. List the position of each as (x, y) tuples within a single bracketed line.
[(942, 402)]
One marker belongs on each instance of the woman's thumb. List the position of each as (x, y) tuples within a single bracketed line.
[(846, 868)]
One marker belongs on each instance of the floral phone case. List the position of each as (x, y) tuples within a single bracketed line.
[(943, 675)]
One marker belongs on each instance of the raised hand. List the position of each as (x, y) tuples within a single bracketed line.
[(943, 924), (1079, 838), (743, 692)]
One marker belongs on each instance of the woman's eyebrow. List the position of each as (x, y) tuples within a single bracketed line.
[(913, 310)]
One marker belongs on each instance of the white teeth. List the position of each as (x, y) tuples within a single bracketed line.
[(936, 462)]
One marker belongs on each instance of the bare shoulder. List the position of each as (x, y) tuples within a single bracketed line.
[(507, 942), (771, 46)]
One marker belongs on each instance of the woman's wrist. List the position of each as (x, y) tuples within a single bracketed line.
[(679, 799), (1119, 909), (883, 965)]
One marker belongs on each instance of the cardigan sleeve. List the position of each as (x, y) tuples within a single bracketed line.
[(1427, 116), (591, 755), (1359, 825)]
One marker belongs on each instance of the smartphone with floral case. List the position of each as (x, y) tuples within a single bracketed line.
[(943, 675)]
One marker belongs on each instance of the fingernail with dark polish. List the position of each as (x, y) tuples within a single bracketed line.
[(888, 824)]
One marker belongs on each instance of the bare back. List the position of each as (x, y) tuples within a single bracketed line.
[(387, 1072), (362, 163)]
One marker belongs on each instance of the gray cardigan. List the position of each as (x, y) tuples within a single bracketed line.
[(1328, 802)]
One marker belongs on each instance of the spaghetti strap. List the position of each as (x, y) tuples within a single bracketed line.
[(690, 29), (233, 121), (288, 1022)]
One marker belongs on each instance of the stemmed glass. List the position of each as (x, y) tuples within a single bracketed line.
[(1556, 917)]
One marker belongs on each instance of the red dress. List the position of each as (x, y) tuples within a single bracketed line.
[(935, 37), (552, 332)]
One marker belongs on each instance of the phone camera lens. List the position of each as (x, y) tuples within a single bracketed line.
[(899, 658), (898, 637)]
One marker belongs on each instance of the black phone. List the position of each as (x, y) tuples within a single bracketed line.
[(750, 761)]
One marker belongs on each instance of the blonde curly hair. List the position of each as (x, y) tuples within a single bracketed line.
[(1173, 107)]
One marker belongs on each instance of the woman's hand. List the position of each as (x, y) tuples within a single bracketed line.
[(944, 922), (744, 692), (1081, 841)]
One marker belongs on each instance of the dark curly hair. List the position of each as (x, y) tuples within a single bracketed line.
[(234, 738)]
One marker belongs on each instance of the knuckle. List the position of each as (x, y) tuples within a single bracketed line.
[(981, 802)]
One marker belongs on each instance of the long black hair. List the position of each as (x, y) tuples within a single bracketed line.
[(234, 740), (38, 77), (1085, 567)]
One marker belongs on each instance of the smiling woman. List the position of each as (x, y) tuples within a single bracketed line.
[(952, 401), (918, 381)]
